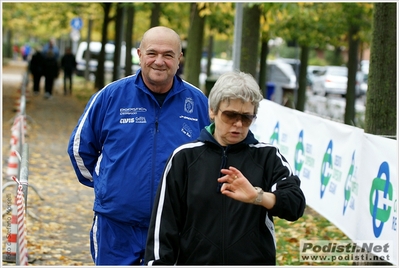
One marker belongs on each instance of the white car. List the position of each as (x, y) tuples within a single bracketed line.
[(334, 80), (218, 66), (95, 48), (312, 72), (361, 82)]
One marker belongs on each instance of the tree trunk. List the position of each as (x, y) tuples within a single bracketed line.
[(337, 59), (88, 52), (350, 111), (209, 55), (130, 12), (250, 39), (100, 81), (381, 114), (8, 45), (192, 65), (116, 74), (301, 97), (155, 14), (264, 51)]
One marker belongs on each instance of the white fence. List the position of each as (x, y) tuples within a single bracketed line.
[(348, 176)]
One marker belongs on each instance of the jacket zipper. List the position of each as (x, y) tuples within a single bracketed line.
[(153, 160), (223, 165)]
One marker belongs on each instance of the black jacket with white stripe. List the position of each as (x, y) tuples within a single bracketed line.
[(192, 223)]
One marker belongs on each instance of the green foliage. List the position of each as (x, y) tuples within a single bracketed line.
[(220, 17), (317, 61), (330, 58), (312, 24)]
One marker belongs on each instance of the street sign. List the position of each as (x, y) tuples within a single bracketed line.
[(75, 35), (77, 23)]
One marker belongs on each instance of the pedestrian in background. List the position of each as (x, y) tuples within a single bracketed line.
[(123, 139), (36, 69), (26, 50), (68, 65), (218, 195), (51, 45), (51, 71), (16, 51)]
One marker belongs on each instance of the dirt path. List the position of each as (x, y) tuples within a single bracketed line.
[(60, 234)]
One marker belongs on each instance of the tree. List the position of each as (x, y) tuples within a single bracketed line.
[(381, 117), (100, 81), (38, 22), (309, 25), (357, 19), (250, 38), (119, 29), (155, 14), (269, 12), (130, 12), (194, 44), (219, 17)]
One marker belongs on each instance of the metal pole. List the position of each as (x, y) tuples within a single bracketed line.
[(87, 54), (23, 179), (24, 172), (237, 36)]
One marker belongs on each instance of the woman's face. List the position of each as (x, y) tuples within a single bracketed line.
[(232, 121)]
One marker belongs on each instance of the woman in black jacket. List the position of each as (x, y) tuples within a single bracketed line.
[(218, 195), (51, 71), (36, 69)]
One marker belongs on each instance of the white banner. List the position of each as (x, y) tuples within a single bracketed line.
[(347, 176)]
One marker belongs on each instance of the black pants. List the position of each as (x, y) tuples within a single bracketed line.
[(36, 82), (67, 78), (48, 84)]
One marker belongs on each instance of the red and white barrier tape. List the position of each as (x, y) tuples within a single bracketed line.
[(22, 242), (18, 132)]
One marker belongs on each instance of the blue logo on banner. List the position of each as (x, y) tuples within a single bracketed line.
[(347, 190), (274, 137), (326, 168), (380, 184), (299, 154)]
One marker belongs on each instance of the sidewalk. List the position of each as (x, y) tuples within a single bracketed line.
[(60, 234)]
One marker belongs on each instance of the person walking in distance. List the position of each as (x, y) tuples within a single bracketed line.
[(123, 139), (51, 71), (36, 69), (68, 65)]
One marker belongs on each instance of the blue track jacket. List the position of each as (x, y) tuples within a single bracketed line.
[(123, 139)]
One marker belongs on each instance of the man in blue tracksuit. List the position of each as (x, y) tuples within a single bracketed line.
[(123, 139)]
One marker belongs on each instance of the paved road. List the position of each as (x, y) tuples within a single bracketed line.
[(58, 226)]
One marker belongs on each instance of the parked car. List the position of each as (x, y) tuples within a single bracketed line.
[(218, 67), (333, 80), (283, 78), (295, 63), (364, 66), (313, 71), (361, 82), (95, 48)]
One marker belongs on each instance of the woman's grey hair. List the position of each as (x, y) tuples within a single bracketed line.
[(235, 85)]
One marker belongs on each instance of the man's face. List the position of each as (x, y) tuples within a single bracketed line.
[(159, 61)]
